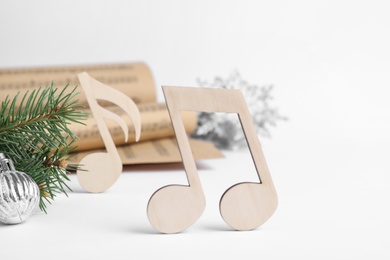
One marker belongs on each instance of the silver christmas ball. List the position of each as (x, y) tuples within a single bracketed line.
[(19, 194)]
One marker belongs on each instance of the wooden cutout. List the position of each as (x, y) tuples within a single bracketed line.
[(101, 170), (244, 206)]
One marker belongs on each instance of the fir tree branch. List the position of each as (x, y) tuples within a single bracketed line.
[(35, 134)]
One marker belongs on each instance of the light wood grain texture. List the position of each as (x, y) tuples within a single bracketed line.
[(101, 170), (244, 206)]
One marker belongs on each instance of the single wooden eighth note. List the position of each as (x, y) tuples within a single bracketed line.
[(244, 206), (101, 170)]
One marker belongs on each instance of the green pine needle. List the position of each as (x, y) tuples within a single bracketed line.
[(34, 133)]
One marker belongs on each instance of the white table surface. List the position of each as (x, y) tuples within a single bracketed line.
[(333, 204)]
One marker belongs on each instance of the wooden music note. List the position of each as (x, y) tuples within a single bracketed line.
[(101, 170), (244, 206)]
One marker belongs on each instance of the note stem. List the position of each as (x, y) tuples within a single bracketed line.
[(184, 147), (254, 146)]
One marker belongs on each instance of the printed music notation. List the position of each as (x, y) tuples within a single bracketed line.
[(135, 80), (155, 124)]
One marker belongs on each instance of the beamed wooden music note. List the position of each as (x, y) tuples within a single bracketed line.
[(101, 170), (244, 206)]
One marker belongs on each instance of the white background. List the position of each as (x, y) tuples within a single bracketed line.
[(329, 62)]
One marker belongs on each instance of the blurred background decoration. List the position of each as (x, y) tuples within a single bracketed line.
[(224, 129)]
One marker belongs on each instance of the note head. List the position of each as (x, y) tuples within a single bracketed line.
[(94, 175), (247, 205), (173, 208)]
